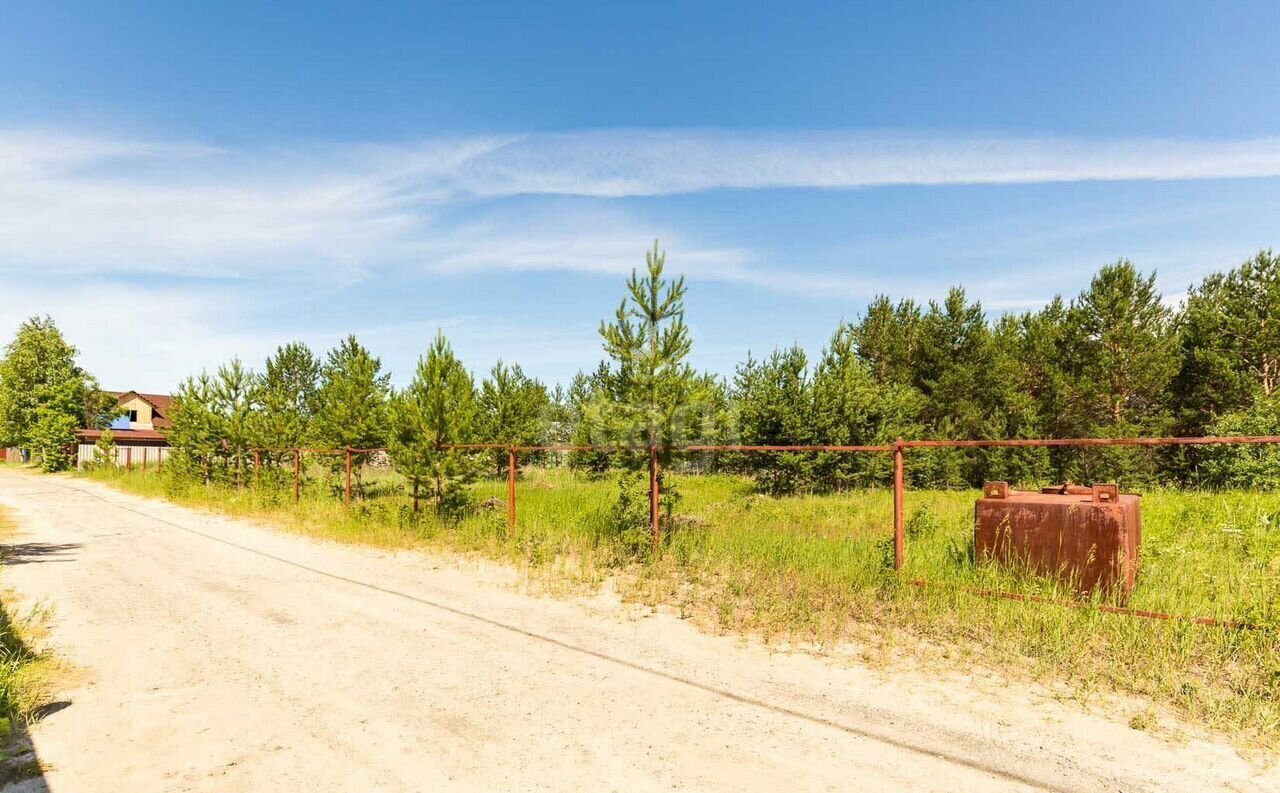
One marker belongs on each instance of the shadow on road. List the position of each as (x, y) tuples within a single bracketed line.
[(36, 552)]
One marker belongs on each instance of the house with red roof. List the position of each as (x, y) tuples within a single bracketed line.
[(139, 431)]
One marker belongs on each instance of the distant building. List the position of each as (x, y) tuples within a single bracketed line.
[(139, 431)]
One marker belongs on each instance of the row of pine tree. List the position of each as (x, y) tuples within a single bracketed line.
[(1116, 360)]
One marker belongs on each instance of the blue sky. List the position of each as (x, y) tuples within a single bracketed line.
[(179, 185)]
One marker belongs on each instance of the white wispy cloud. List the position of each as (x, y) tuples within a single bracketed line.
[(85, 218), (615, 163), (27, 152), (85, 203)]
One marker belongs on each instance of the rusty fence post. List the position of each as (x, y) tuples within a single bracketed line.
[(346, 498), (297, 473), (653, 494), (511, 488), (160, 459), (128, 459), (899, 523), (144, 459), (256, 463)]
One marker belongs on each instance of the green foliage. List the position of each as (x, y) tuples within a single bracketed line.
[(104, 450), (627, 522), (1014, 410), (1230, 342), (588, 402), (351, 402), (44, 395), (648, 396), (437, 409), (1123, 348), (653, 395), (513, 409), (850, 408), (1041, 341), (286, 392), (24, 682), (235, 393), (352, 409), (1252, 467), (1122, 354), (1116, 361), (58, 415), (774, 401), (561, 417), (101, 408), (956, 352), (212, 425), (969, 376), (887, 339), (196, 428)]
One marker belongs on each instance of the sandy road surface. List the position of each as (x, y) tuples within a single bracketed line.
[(216, 655)]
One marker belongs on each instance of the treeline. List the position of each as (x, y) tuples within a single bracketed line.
[(1116, 360), (225, 422)]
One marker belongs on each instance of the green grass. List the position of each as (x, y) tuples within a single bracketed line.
[(816, 569)]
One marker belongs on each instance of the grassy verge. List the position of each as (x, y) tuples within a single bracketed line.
[(24, 689), (815, 569)]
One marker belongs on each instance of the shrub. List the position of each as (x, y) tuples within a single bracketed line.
[(104, 451), (627, 522), (1245, 466)]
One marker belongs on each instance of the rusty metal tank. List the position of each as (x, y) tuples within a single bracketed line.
[(1089, 537)]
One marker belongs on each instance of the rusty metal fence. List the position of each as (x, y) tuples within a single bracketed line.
[(899, 450)]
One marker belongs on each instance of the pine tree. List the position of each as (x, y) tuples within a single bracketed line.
[(1044, 361), (1014, 411), (850, 408), (196, 431), (1122, 349), (351, 405), (1230, 345), (775, 408), (714, 421), (954, 372), (286, 395), (437, 409), (653, 393), (235, 401), (887, 339), (648, 344), (591, 399), (513, 409), (104, 450), (561, 419)]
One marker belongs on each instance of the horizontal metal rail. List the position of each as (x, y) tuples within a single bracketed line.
[(930, 443), (783, 448), (897, 448), (1023, 442)]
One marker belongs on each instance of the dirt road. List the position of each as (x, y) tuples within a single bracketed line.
[(216, 655)]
